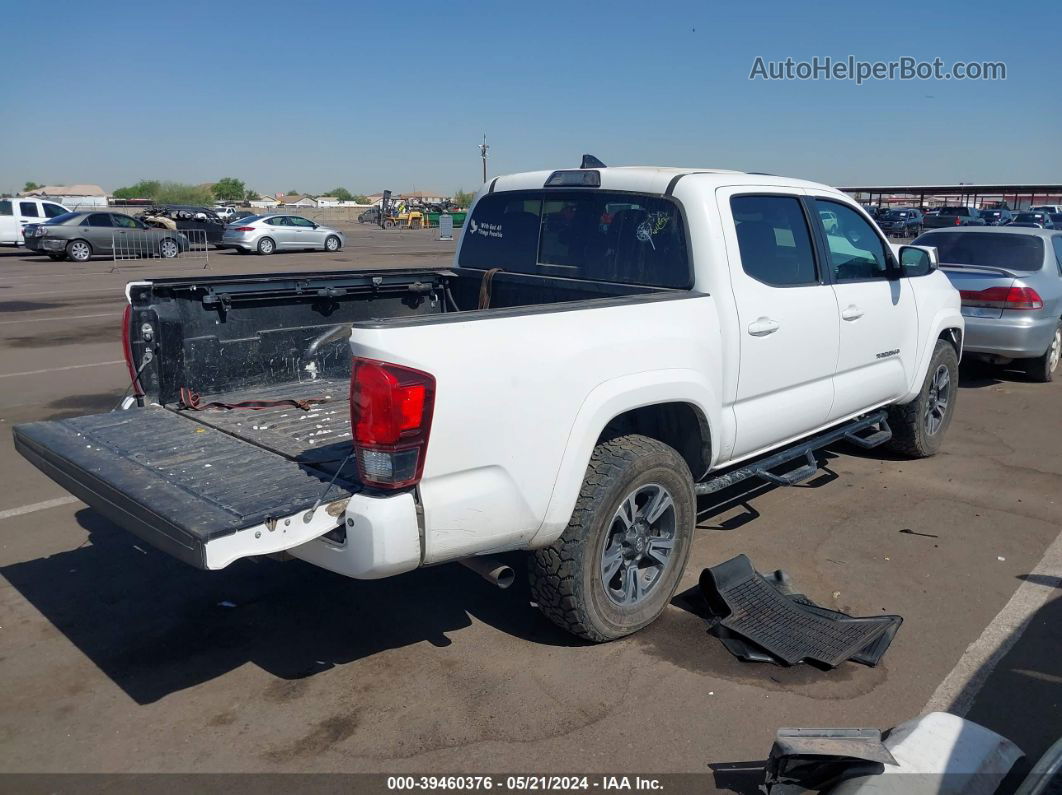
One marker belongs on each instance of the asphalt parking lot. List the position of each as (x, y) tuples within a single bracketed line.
[(118, 658)]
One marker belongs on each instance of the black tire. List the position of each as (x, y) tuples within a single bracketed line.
[(1042, 369), (332, 243), (266, 246), (566, 577), (79, 250), (912, 431), (56, 256)]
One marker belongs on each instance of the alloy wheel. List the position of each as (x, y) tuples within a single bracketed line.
[(637, 547), (938, 399)]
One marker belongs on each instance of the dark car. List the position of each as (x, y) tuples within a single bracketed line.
[(81, 235), (953, 216), (901, 222), (1056, 219), (370, 216), (185, 218), (997, 217), (1037, 219)]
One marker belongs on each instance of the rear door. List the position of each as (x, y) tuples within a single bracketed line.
[(875, 309), (281, 230), (98, 230), (8, 228), (787, 317)]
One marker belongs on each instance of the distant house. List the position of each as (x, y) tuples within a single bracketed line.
[(328, 201), (72, 196), (264, 202), (299, 201)]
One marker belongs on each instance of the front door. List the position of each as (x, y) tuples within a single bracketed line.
[(306, 234), (787, 318), (29, 212), (876, 310)]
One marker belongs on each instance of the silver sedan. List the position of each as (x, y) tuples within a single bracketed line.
[(265, 234), (1010, 282)]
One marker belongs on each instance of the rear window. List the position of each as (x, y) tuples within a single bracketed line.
[(1014, 252), (599, 235), (1035, 218), (896, 215), (61, 219)]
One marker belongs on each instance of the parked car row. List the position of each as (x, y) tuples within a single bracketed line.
[(166, 232), (80, 236)]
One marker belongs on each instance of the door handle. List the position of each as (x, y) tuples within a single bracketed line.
[(851, 312), (763, 326)]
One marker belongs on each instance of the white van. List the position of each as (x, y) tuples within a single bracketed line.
[(21, 210)]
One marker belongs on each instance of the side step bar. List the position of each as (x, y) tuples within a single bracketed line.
[(854, 432)]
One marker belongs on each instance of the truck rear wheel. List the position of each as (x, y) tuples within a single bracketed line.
[(918, 427), (617, 564)]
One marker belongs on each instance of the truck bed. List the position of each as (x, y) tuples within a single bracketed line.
[(175, 482)]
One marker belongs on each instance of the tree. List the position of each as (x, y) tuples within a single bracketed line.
[(463, 199), (360, 198), (30, 186), (229, 189), (166, 192), (342, 194), (292, 193), (145, 189), (252, 196)]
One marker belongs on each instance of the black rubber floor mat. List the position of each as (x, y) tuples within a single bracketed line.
[(760, 619)]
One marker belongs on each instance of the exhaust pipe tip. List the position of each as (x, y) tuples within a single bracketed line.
[(491, 569)]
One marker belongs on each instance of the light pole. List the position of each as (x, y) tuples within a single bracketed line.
[(483, 147)]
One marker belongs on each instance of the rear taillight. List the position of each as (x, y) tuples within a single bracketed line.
[(1003, 298), (243, 229), (127, 350), (390, 416), (958, 221)]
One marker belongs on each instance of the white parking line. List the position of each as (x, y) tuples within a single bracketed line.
[(37, 506), (64, 317), (957, 692), (59, 369)]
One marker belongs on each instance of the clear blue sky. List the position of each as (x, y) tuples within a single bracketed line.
[(309, 95)]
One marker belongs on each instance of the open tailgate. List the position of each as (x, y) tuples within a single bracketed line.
[(191, 490)]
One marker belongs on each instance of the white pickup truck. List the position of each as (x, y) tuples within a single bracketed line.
[(16, 213), (609, 344)]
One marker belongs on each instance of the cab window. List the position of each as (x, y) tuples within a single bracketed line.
[(856, 252), (774, 240)]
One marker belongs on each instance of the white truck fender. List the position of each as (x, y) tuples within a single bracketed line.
[(605, 402), (944, 319)]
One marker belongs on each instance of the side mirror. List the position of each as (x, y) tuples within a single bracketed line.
[(918, 260)]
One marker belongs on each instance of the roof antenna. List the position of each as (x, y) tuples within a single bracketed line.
[(589, 161)]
